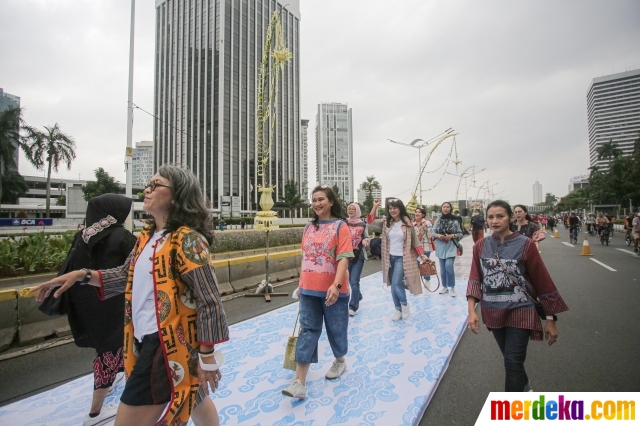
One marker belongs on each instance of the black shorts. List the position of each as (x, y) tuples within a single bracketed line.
[(149, 381)]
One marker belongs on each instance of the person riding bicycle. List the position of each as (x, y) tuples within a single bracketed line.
[(601, 222), (628, 224), (590, 221), (612, 221), (574, 223)]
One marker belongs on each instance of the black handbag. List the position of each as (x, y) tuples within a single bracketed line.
[(51, 305)]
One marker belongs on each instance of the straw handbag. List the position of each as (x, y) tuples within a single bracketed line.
[(290, 351), (426, 269)]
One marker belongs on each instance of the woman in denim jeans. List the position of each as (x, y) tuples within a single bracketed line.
[(445, 230), (360, 239), (506, 273), (400, 246), (324, 289)]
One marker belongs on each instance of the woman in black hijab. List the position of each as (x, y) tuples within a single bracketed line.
[(104, 243)]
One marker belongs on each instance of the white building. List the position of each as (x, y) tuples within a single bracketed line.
[(537, 193), (362, 194), (613, 113), (304, 163), (334, 148), (207, 61), (142, 163), (578, 182)]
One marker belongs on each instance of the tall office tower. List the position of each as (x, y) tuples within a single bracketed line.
[(537, 193), (7, 101), (208, 55), (334, 148), (304, 163), (142, 162), (613, 109)]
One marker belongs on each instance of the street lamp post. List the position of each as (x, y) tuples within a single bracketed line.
[(129, 151), (419, 144)]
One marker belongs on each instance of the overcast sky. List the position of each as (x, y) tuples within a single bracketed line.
[(510, 77)]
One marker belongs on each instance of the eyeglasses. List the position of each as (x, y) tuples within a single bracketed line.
[(153, 184)]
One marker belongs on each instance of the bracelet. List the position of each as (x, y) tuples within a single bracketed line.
[(219, 358), (207, 353)]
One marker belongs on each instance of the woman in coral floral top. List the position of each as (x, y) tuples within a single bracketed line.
[(324, 288)]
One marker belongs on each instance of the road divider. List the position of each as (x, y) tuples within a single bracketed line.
[(21, 321)]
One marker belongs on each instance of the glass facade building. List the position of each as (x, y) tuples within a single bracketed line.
[(334, 148), (613, 113), (142, 163), (208, 54), (304, 164)]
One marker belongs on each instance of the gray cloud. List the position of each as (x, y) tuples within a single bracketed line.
[(511, 77)]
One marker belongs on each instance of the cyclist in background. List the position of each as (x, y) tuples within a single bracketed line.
[(574, 224), (601, 222), (590, 221), (628, 224)]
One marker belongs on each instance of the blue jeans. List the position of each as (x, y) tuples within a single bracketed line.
[(355, 270), (513, 345), (396, 274), (447, 273), (336, 320)]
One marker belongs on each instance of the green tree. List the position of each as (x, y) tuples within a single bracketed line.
[(104, 184), (550, 199), (61, 200), (576, 199), (292, 197), (14, 133), (51, 147), (13, 186), (369, 185)]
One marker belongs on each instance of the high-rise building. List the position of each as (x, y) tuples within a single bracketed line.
[(304, 163), (537, 193), (7, 101), (334, 148), (142, 163), (578, 182), (208, 55), (613, 109)]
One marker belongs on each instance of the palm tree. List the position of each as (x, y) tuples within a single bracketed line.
[(51, 147), (608, 150), (550, 199), (14, 133), (370, 184)]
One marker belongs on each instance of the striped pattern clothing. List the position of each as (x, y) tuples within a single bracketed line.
[(189, 312), (502, 302), (411, 249)]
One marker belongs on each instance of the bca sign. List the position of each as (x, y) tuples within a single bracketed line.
[(26, 222)]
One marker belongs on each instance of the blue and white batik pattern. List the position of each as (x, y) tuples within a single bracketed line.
[(393, 369)]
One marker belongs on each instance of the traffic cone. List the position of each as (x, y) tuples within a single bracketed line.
[(556, 233), (586, 249)]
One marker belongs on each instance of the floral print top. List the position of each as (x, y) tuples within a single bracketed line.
[(322, 248)]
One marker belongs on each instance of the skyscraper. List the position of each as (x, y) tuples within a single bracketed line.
[(208, 54), (537, 193), (304, 164), (142, 163), (613, 112), (334, 147), (7, 101)]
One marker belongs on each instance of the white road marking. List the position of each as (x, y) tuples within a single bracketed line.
[(603, 265), (567, 244), (627, 251)]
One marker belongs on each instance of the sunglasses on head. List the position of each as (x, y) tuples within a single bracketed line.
[(153, 184), (393, 200)]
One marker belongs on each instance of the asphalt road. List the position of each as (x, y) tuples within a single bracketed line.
[(597, 349)]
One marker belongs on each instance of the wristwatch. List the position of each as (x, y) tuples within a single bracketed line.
[(338, 286), (87, 276)]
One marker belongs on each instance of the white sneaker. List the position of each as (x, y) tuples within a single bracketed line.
[(444, 290), (336, 370), (296, 390), (396, 316), (405, 312), (453, 292), (351, 312), (107, 413), (117, 382)]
